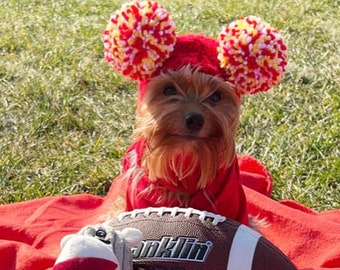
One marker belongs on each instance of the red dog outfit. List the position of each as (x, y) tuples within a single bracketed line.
[(226, 190)]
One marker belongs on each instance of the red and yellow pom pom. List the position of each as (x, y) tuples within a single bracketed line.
[(253, 55), (138, 39)]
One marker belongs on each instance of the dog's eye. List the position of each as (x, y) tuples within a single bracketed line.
[(170, 91), (215, 97)]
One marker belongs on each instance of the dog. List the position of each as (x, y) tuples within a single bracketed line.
[(185, 152), (190, 87)]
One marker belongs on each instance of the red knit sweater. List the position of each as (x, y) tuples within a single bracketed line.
[(224, 196)]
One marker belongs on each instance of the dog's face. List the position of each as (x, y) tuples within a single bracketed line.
[(189, 121)]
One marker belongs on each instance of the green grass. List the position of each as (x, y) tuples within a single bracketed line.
[(66, 117)]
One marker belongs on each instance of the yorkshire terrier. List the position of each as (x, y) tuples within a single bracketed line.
[(185, 150), (189, 120), (190, 88)]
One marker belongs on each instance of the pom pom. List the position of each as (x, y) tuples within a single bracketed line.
[(253, 54), (138, 38)]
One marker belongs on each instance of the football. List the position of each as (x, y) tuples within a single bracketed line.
[(186, 238)]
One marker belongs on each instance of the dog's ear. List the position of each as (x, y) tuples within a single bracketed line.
[(253, 54), (138, 39)]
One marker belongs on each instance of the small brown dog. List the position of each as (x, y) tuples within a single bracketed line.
[(188, 115), (189, 101), (185, 150)]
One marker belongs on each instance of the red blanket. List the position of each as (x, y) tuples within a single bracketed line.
[(30, 231)]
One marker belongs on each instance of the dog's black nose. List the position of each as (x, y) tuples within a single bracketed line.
[(194, 121)]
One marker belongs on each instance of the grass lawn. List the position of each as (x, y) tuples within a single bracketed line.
[(66, 117)]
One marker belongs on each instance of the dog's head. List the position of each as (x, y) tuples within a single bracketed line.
[(189, 121)]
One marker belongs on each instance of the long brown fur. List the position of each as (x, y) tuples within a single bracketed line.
[(170, 143)]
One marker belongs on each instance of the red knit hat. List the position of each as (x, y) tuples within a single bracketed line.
[(197, 50), (190, 49), (140, 42)]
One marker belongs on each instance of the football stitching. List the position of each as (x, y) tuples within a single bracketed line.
[(175, 211)]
